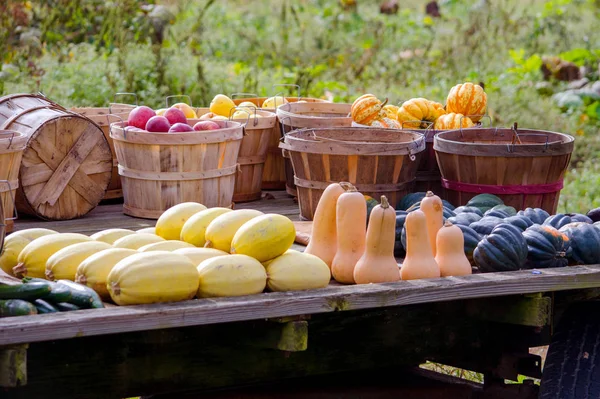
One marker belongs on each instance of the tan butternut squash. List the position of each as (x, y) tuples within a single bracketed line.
[(323, 240), (433, 208), (378, 265), (450, 255), (419, 261), (351, 220)]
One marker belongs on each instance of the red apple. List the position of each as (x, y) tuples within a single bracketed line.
[(175, 115), (206, 125), (180, 127), (139, 116), (158, 124)]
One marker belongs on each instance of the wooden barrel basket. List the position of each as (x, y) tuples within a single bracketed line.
[(101, 118), (377, 161), (274, 169), (294, 116), (67, 163), (160, 170), (253, 154), (12, 145), (525, 168)]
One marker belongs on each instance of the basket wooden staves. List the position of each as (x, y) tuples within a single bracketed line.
[(67, 163), (12, 145), (525, 168), (159, 170), (377, 161)]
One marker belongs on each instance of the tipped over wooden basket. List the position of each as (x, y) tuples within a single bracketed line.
[(525, 168), (376, 161), (294, 116), (159, 170), (100, 116)]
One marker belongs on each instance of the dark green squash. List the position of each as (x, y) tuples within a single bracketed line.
[(448, 205), (465, 218), (594, 215), (585, 243), (486, 224), (557, 221), (399, 251), (409, 199), (536, 215), (522, 222), (504, 249), (485, 201), (578, 217), (506, 209), (468, 209), (472, 238), (499, 213), (547, 247)]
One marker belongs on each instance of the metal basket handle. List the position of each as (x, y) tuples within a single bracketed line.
[(126, 94), (125, 127), (179, 96), (241, 109)]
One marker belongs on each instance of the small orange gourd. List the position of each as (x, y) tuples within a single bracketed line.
[(351, 220), (323, 240), (378, 265), (433, 208), (419, 261), (450, 255)]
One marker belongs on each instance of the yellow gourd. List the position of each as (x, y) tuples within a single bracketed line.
[(198, 255), (94, 270), (433, 208), (450, 255), (323, 239), (151, 277), (378, 265), (295, 270), (231, 275), (111, 235), (264, 237), (221, 230), (63, 264), (194, 230), (14, 244), (167, 245), (136, 241), (170, 223), (147, 230), (419, 261), (351, 219)]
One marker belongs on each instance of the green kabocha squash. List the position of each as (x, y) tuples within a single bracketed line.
[(468, 209), (578, 217), (522, 222), (547, 247), (465, 218), (585, 243), (506, 209), (409, 199), (485, 202), (499, 213), (486, 224), (557, 221), (472, 238), (594, 215), (399, 250), (536, 215), (504, 249), (371, 203)]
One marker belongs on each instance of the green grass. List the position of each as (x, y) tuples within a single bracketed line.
[(210, 47)]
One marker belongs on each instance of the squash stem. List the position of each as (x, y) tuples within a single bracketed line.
[(384, 202), (348, 186), (448, 223)]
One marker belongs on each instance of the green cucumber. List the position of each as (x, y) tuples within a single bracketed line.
[(82, 296), (66, 307), (44, 307), (29, 291), (16, 307), (58, 293)]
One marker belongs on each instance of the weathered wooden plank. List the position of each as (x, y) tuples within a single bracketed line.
[(13, 366), (527, 311), (46, 327)]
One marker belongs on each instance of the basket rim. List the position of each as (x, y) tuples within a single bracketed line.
[(119, 132), (290, 112)]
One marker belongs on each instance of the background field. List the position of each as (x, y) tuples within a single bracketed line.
[(82, 52)]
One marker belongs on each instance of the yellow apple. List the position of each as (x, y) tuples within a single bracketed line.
[(161, 112), (219, 118), (207, 116), (274, 102), (222, 105), (187, 110)]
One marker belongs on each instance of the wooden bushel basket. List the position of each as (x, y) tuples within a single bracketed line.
[(159, 170), (294, 116), (67, 163), (274, 169), (377, 161), (12, 145), (525, 168), (100, 116), (253, 153)]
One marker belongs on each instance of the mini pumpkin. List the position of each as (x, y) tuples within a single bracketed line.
[(416, 112), (453, 121), (366, 109), (386, 123), (391, 111), (467, 99)]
